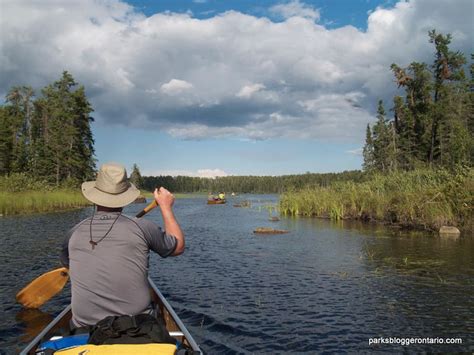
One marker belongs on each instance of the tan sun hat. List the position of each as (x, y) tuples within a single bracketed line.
[(111, 187)]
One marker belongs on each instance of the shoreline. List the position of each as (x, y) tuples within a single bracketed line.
[(33, 202), (416, 200)]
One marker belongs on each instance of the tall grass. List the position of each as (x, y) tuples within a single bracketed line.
[(12, 203), (22, 193), (422, 198)]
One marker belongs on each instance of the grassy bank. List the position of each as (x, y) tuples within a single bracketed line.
[(12, 203), (22, 194), (419, 199)]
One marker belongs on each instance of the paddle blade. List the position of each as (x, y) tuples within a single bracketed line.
[(41, 289)]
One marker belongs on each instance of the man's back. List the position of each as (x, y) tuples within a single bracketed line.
[(108, 263)]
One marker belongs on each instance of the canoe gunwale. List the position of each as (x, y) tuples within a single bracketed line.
[(46, 330), (29, 349)]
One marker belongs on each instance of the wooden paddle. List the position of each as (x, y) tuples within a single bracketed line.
[(43, 288)]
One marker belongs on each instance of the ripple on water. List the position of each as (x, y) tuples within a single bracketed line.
[(322, 288)]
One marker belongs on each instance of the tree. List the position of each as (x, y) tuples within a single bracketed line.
[(49, 137), (433, 124), (448, 73), (368, 151), (66, 135), (136, 177)]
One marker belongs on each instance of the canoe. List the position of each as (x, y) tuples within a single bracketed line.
[(215, 202), (176, 328)]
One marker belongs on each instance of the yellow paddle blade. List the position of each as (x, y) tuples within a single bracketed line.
[(41, 289)]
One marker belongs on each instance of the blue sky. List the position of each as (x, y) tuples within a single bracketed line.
[(209, 88), (334, 13)]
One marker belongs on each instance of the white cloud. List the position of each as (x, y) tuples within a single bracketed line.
[(357, 151), (188, 77), (249, 90), (211, 173), (295, 8), (175, 86), (204, 173)]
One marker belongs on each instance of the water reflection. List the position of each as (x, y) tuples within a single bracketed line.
[(32, 321)]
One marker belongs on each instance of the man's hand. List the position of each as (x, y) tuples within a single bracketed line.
[(163, 198)]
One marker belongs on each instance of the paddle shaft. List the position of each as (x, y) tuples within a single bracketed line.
[(147, 209)]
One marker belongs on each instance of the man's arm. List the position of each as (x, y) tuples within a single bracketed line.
[(165, 200)]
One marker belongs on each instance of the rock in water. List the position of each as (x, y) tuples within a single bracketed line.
[(446, 231)]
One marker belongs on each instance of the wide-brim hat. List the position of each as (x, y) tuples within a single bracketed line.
[(111, 187)]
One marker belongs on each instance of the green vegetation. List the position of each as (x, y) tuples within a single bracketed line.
[(433, 124), (418, 165), (50, 137), (40, 201), (423, 198), (46, 148), (20, 194), (248, 184)]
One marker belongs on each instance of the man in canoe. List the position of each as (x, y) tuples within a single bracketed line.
[(107, 254)]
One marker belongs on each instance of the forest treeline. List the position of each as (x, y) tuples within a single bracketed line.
[(47, 137), (433, 122), (247, 184)]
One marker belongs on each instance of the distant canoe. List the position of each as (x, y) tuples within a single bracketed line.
[(274, 219), (216, 202), (266, 230)]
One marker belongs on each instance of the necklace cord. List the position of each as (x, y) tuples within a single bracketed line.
[(91, 241)]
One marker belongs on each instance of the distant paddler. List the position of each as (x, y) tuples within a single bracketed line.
[(221, 195)]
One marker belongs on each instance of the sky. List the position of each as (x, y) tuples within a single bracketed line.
[(214, 88)]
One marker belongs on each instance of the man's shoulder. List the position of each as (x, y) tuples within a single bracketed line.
[(142, 223)]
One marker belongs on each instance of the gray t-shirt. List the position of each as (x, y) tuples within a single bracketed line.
[(111, 277)]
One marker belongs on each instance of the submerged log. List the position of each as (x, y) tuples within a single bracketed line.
[(266, 230)]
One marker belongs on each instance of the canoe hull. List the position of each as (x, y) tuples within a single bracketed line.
[(174, 325), (216, 202)]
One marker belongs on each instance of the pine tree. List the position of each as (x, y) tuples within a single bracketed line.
[(136, 177), (19, 111), (381, 140), (5, 142), (447, 130), (368, 151), (67, 137)]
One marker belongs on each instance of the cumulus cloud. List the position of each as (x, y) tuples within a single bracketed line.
[(231, 75), (248, 90), (175, 86)]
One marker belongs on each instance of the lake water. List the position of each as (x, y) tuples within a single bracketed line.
[(322, 288)]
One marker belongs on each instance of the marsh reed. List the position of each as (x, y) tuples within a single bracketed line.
[(13, 203), (423, 199)]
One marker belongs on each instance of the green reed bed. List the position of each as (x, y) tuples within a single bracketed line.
[(12, 203), (423, 198)]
